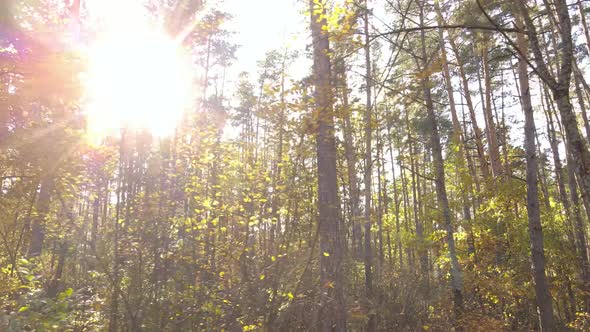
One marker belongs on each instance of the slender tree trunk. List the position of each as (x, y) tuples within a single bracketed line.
[(558, 167), (584, 24), (422, 253), (543, 296), (580, 97), (458, 137), (381, 198), (541, 175), (371, 325), (398, 238), (350, 153), (333, 307), (439, 171), (39, 219), (580, 231), (476, 130), (576, 145), (55, 283), (276, 219), (95, 217), (114, 313), (492, 134), (406, 201)]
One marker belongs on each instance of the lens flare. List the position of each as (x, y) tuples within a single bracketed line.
[(137, 78)]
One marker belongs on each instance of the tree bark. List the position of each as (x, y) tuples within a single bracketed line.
[(333, 308), (38, 221), (398, 239), (368, 175), (580, 232), (492, 134), (584, 24), (418, 226), (458, 137), (350, 154), (576, 145), (543, 296), (439, 171), (580, 97)]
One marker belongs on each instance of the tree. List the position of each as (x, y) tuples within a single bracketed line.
[(331, 254), (559, 86), (362, 193), (534, 215), (439, 180)]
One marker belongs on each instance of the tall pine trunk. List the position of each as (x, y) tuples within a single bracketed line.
[(543, 296), (439, 171), (333, 308), (368, 175)]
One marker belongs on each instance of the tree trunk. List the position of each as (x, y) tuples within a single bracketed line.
[(350, 154), (584, 24), (398, 239), (576, 145), (494, 149), (406, 201), (333, 308), (458, 137), (439, 171), (371, 326), (41, 209), (381, 198), (114, 312), (422, 253), (560, 175), (580, 231), (476, 130), (543, 296), (580, 97)]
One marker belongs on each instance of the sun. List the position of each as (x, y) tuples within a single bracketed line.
[(137, 78)]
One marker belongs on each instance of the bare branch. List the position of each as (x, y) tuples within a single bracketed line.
[(450, 26)]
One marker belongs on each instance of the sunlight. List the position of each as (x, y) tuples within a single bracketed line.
[(137, 78)]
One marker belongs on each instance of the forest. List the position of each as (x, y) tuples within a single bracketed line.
[(410, 165)]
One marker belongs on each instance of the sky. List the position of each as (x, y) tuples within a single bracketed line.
[(259, 25), (264, 25)]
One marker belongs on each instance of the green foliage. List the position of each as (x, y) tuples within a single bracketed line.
[(216, 227)]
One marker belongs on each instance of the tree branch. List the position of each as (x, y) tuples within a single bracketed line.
[(418, 173), (542, 70), (450, 26)]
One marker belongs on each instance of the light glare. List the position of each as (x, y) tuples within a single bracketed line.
[(137, 78)]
